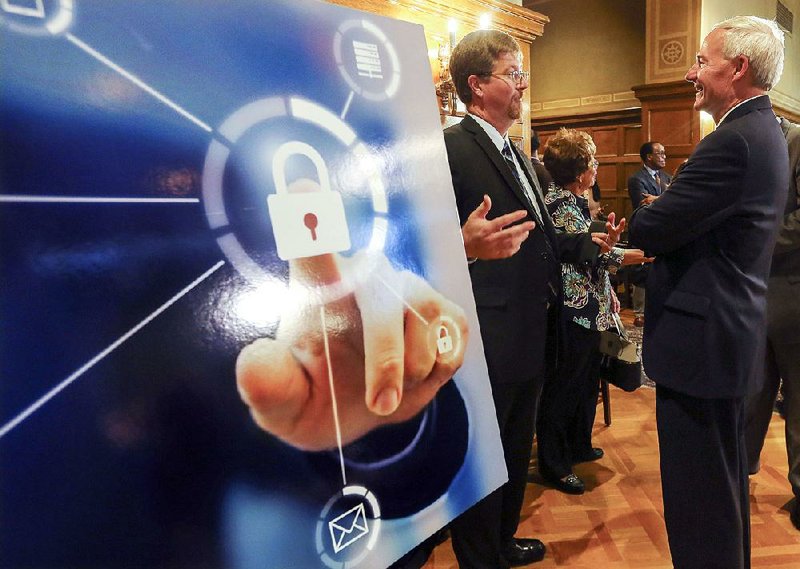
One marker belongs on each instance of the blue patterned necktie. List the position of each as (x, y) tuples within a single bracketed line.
[(511, 164)]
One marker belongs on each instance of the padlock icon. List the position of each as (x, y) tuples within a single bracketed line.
[(307, 216), (444, 342)]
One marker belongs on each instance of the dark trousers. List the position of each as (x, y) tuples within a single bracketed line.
[(569, 403), (481, 533), (782, 362), (704, 480)]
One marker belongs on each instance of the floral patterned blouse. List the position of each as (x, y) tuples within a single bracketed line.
[(587, 288)]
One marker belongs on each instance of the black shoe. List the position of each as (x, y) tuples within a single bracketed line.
[(794, 515), (595, 454), (570, 484), (754, 468), (524, 551)]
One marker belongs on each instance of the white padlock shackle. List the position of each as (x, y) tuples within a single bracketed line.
[(290, 149)]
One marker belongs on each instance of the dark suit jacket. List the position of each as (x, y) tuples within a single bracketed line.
[(642, 184), (511, 294), (783, 294), (713, 234)]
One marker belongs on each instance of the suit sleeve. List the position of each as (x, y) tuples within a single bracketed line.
[(789, 233), (636, 190), (701, 198)]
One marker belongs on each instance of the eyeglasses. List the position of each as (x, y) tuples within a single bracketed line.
[(660, 153), (593, 164), (517, 77)]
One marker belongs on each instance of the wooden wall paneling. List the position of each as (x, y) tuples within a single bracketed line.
[(606, 140), (673, 28), (671, 123), (668, 117), (618, 138), (632, 140)]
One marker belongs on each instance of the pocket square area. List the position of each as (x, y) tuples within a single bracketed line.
[(348, 527)]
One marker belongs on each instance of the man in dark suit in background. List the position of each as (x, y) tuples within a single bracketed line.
[(783, 333), (650, 182), (516, 279), (712, 235), (644, 187)]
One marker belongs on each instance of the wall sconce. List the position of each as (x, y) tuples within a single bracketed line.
[(445, 90)]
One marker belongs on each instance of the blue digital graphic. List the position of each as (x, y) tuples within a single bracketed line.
[(183, 184)]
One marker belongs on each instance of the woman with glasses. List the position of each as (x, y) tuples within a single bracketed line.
[(569, 400)]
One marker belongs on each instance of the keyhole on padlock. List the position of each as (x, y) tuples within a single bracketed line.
[(310, 220)]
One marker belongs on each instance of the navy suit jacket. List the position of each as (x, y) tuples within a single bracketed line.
[(642, 184), (713, 234), (511, 294)]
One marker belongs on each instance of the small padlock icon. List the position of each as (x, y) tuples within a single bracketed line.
[(444, 342), (307, 216)]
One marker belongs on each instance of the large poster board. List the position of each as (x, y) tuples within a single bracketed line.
[(232, 290)]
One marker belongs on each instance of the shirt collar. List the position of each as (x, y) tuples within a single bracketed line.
[(650, 170), (735, 106), (497, 139)]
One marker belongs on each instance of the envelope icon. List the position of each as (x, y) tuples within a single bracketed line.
[(348, 527)]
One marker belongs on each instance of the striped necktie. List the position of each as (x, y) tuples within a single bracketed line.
[(511, 164), (528, 193), (537, 213)]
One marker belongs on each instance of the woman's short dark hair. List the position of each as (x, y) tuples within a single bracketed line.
[(567, 155)]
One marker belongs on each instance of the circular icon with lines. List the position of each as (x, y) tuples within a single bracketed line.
[(367, 60), (36, 17), (348, 527), (270, 195)]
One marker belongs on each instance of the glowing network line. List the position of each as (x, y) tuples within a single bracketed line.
[(347, 105), (18, 198), (403, 300), (333, 393), (91, 363), (138, 82)]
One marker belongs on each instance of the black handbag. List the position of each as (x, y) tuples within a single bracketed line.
[(620, 363)]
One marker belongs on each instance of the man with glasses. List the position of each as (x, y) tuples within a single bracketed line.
[(650, 182), (514, 255), (644, 187)]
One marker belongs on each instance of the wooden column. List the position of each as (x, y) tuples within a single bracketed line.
[(668, 118)]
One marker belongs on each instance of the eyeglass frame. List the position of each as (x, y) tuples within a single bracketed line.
[(523, 76)]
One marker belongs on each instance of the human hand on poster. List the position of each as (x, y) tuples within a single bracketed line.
[(381, 342)]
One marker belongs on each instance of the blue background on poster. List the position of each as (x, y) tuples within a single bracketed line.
[(147, 456)]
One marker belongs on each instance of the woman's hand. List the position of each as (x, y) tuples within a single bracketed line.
[(635, 257)]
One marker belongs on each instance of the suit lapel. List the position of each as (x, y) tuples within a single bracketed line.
[(654, 189), (533, 180), (498, 161)]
